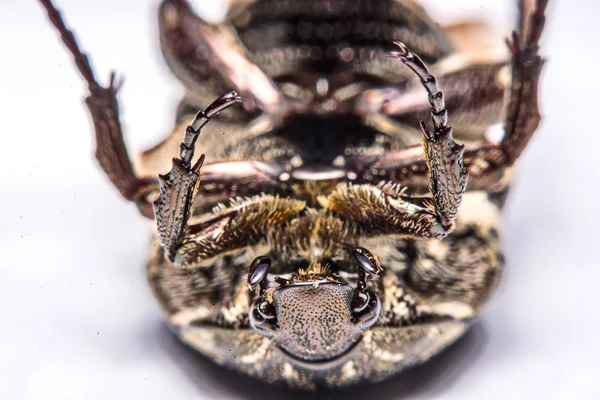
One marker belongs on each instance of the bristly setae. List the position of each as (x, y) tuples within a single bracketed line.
[(324, 238)]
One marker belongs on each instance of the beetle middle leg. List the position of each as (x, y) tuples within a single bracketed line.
[(383, 209), (485, 161), (198, 51)]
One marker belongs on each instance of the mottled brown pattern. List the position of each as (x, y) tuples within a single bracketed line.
[(323, 160), (429, 284)]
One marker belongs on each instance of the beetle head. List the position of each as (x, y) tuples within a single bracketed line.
[(315, 316)]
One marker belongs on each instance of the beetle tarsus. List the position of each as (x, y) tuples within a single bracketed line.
[(192, 132), (81, 59), (111, 152), (522, 116), (439, 114)]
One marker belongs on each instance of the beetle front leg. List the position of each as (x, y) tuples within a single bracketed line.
[(448, 176), (178, 187), (227, 229), (383, 209)]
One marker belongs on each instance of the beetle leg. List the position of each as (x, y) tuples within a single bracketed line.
[(197, 52), (225, 230), (407, 167), (475, 79), (111, 152), (523, 114), (486, 162), (474, 95), (242, 223), (178, 187), (448, 176), (383, 209)]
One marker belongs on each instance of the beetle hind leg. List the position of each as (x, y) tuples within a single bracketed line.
[(111, 152), (486, 162), (523, 117)]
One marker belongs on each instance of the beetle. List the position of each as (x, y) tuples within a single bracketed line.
[(326, 235)]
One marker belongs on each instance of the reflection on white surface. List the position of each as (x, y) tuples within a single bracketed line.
[(79, 321)]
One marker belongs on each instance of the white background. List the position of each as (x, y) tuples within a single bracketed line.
[(78, 319)]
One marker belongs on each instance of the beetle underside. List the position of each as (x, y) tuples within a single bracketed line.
[(324, 237)]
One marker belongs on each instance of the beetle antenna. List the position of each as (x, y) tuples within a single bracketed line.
[(368, 265), (81, 59)]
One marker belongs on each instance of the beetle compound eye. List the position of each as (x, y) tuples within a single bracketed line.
[(257, 275)]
